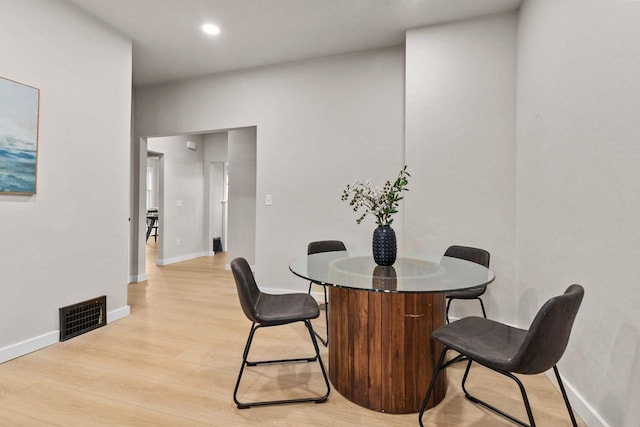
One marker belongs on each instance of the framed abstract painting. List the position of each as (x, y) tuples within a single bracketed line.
[(19, 108)]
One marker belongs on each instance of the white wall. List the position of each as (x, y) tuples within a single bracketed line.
[(69, 242), (215, 155), (579, 187), (182, 182), (216, 147), (460, 147), (218, 204), (242, 194), (153, 181), (320, 125), (186, 176)]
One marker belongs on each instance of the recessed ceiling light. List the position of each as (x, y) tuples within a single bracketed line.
[(211, 29)]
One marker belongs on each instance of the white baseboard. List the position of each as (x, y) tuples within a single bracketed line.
[(319, 297), (167, 261), (37, 343), (118, 313), (28, 346), (181, 258), (580, 406), (138, 278)]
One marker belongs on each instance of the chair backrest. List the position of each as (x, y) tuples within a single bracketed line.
[(549, 332), (325, 246), (248, 291), (479, 256)]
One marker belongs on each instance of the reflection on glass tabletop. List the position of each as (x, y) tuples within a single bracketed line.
[(407, 274)]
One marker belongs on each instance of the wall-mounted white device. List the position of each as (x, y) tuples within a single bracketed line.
[(192, 146)]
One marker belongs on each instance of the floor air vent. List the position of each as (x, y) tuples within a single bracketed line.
[(83, 317)]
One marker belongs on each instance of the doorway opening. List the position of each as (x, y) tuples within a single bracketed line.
[(153, 196), (218, 207), (206, 191)]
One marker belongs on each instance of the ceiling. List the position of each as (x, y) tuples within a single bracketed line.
[(168, 44)]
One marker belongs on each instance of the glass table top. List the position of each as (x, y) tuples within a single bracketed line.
[(405, 275)]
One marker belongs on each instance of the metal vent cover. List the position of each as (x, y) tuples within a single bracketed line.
[(82, 317)]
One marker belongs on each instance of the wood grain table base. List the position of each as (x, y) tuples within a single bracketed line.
[(381, 355)]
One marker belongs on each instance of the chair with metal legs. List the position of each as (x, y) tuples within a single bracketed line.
[(319, 247), (479, 256), (509, 350), (266, 310)]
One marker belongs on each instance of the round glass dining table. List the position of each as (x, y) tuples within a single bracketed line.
[(381, 355)]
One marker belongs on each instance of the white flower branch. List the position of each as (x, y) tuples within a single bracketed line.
[(382, 202)]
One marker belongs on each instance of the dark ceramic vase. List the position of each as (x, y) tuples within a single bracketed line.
[(384, 245)]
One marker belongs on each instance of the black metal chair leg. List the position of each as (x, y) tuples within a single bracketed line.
[(275, 361), (324, 341), (458, 358), (448, 305), (245, 362), (324, 372), (245, 353), (442, 365), (484, 313), (493, 408), (564, 395), (436, 372), (326, 317)]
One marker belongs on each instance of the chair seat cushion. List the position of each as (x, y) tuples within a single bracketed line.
[(467, 294), (287, 308), (483, 340)]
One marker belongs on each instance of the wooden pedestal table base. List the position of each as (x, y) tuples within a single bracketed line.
[(381, 355)]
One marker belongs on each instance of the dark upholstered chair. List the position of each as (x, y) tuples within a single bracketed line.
[(508, 350), (319, 247), (479, 256), (266, 310)]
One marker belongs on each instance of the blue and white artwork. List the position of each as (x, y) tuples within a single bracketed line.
[(18, 137)]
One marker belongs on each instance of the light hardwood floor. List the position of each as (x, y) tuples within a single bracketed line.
[(174, 362)]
